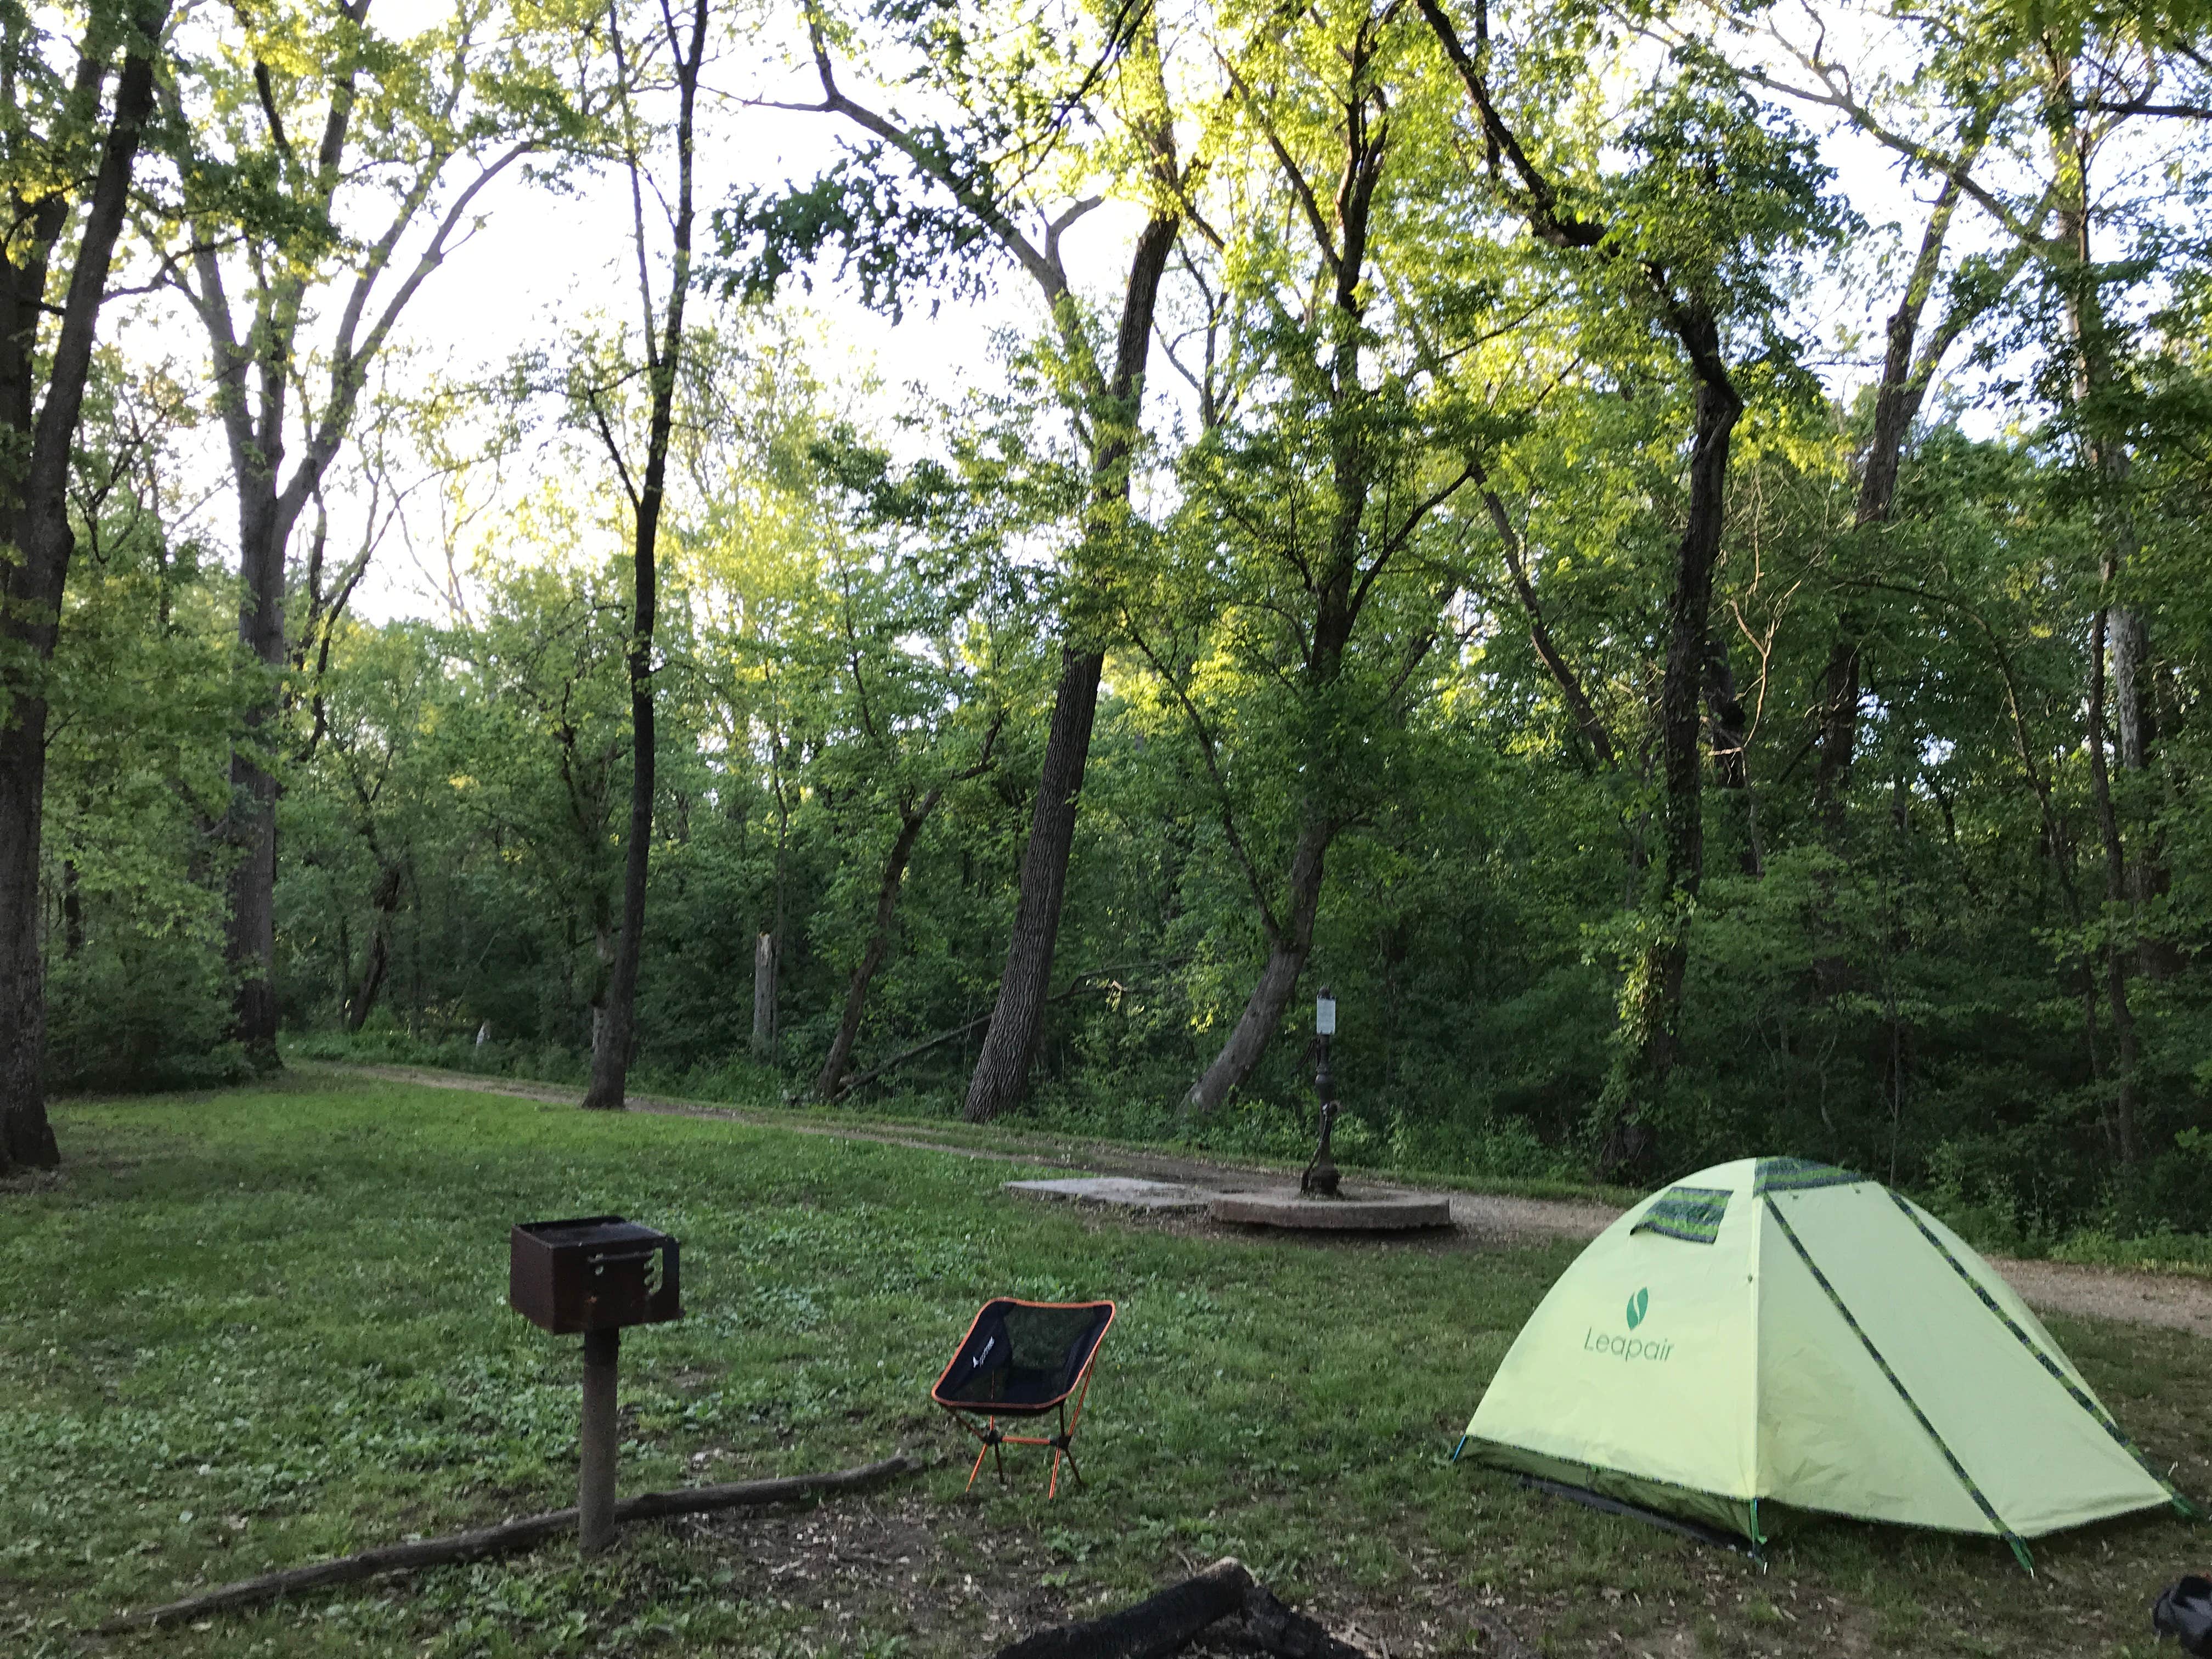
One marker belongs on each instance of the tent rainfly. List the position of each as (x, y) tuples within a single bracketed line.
[(1776, 1331)]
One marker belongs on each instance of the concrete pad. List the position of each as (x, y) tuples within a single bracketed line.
[(1122, 1192), (1286, 1206)]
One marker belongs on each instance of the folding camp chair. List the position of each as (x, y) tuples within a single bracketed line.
[(1025, 1359)]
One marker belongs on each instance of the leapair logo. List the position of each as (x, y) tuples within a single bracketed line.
[(1629, 1347)]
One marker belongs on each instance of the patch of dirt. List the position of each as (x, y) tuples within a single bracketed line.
[(963, 1582), (890, 1563), (2179, 1302), (955, 1578)]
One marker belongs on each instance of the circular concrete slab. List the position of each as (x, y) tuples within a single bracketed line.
[(1122, 1192), (1287, 1207)]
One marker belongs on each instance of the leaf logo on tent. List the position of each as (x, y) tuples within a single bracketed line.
[(1637, 1305)]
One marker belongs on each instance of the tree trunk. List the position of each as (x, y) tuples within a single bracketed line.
[(1339, 596), (1728, 727), (614, 1035), (1907, 372), (2116, 894), (614, 1032), (1002, 1068), (384, 904), (41, 434), (363, 998), (1278, 981), (763, 995), (72, 911), (2123, 628), (1651, 1001), (264, 534), (27, 1141), (1555, 662), (827, 1085)]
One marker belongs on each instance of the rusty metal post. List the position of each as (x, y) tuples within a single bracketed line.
[(595, 1483)]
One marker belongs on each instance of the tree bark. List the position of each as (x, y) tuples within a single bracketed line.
[(72, 912), (1347, 570), (264, 534), (1270, 998), (266, 353), (828, 1086), (1906, 373), (2125, 633), (41, 434), (614, 1035), (1652, 1000), (1002, 1067), (763, 995), (2115, 895), (384, 904), (1555, 662), (1109, 404)]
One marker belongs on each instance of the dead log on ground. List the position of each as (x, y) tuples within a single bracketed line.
[(1181, 1613), (505, 1538)]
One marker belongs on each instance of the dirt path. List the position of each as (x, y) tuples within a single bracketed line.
[(2175, 1301)]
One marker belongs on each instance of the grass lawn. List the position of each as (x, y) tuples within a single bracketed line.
[(260, 1328)]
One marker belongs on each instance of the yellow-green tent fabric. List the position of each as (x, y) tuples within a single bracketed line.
[(1778, 1331)]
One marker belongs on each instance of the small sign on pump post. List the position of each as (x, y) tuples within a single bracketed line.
[(1320, 1177)]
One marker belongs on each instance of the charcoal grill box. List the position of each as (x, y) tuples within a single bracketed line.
[(593, 1274)]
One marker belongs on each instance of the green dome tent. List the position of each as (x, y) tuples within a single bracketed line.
[(1773, 1331)]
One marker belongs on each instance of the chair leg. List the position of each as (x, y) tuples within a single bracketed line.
[(976, 1468), (1060, 1448)]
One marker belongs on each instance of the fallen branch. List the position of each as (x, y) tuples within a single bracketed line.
[(505, 1538), (1160, 1624)]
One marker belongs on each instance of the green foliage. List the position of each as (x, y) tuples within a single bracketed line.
[(1384, 615), (144, 701)]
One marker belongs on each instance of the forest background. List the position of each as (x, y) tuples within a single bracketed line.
[(1658, 550)]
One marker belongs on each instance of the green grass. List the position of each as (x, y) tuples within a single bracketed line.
[(259, 1328)]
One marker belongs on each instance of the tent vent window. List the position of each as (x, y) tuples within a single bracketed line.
[(1692, 1214), (1798, 1174)]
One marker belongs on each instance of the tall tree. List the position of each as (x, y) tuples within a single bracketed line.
[(645, 486), (2070, 88), (299, 264), (1685, 235), (1313, 500), (76, 111), (983, 180)]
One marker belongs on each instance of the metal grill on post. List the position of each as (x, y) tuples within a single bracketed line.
[(592, 1276)]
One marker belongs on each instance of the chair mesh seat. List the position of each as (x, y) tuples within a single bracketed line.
[(1021, 1358)]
